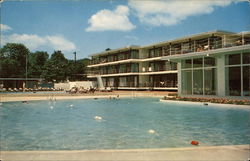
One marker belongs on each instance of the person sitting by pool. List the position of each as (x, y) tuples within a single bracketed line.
[(92, 90)]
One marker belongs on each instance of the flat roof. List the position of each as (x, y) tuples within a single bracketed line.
[(37, 79), (116, 50), (199, 35)]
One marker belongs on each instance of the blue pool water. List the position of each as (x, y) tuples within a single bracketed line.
[(125, 124)]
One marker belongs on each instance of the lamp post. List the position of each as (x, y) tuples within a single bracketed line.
[(75, 56), (75, 65)]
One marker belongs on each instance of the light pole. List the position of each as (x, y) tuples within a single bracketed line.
[(75, 56), (75, 65), (26, 72)]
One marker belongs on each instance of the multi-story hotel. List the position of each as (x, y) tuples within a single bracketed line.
[(213, 63)]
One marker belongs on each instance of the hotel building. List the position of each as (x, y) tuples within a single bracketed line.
[(215, 63)]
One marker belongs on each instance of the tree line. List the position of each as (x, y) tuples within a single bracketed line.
[(16, 58)]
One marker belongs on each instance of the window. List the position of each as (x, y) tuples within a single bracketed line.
[(134, 54), (197, 63), (122, 81), (158, 52), (198, 82), (246, 81), (238, 74), (186, 82), (246, 58), (233, 59), (134, 67), (151, 53), (186, 63), (210, 81), (233, 81), (209, 62), (199, 76)]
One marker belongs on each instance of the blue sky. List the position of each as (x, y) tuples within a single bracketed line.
[(88, 27)]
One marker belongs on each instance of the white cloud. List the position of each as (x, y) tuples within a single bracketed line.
[(5, 27), (33, 42), (171, 12), (60, 43), (105, 20)]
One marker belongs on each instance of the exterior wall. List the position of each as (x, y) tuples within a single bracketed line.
[(69, 85)]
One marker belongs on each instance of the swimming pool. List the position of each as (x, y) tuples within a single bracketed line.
[(122, 124)]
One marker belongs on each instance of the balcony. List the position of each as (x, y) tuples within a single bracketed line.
[(200, 45), (134, 54)]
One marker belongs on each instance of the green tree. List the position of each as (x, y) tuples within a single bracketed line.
[(37, 63), (56, 67), (77, 70), (13, 60)]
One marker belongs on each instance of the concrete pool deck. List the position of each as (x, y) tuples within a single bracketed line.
[(11, 97), (209, 153)]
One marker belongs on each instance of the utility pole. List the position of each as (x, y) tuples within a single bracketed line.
[(75, 56), (26, 69), (75, 65)]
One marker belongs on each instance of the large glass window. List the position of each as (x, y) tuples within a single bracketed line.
[(187, 82), (186, 63), (198, 81), (237, 74), (197, 63), (233, 59), (246, 80), (233, 84), (210, 81), (199, 76), (209, 62), (246, 58)]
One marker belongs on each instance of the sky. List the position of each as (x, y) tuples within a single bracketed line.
[(91, 26)]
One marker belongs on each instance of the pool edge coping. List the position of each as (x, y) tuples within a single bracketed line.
[(242, 146)]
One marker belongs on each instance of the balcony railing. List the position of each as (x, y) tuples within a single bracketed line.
[(159, 69), (112, 72), (202, 45), (118, 57)]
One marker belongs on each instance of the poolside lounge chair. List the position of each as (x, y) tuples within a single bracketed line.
[(106, 89)]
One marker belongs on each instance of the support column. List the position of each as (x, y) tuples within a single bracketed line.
[(179, 77), (221, 76)]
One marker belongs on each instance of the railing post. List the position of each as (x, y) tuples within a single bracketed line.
[(181, 48), (243, 41), (194, 46), (170, 49), (224, 41), (208, 43)]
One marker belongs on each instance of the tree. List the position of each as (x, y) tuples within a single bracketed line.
[(13, 60), (37, 62), (56, 67), (77, 70), (15, 57)]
